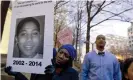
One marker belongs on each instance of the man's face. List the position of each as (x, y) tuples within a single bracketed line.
[(100, 41), (129, 74), (28, 39), (62, 57)]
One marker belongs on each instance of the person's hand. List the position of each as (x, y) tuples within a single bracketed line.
[(9, 72), (49, 69), (53, 61)]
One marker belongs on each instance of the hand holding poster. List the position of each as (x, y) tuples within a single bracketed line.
[(30, 45)]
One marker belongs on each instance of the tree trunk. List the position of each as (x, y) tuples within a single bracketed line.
[(88, 37), (77, 29), (88, 7), (77, 38)]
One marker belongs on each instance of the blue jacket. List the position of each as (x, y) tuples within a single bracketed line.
[(100, 67), (68, 74)]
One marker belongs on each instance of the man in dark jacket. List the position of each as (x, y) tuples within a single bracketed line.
[(61, 68)]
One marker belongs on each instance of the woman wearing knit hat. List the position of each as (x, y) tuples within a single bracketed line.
[(63, 64), (61, 68)]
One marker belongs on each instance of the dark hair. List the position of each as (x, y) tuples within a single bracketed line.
[(126, 65), (25, 20)]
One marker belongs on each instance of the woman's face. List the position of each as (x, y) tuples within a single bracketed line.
[(29, 39), (129, 74), (62, 56)]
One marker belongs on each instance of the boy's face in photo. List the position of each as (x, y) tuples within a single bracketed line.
[(29, 39)]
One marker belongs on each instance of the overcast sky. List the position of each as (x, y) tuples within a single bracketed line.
[(110, 27)]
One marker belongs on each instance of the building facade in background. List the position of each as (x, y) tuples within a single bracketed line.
[(130, 37), (118, 45), (116, 42)]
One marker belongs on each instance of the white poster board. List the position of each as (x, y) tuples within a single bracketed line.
[(31, 36)]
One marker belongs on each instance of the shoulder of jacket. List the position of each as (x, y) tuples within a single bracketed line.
[(72, 70), (90, 53), (111, 55)]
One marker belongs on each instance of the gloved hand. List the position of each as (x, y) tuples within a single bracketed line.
[(17, 75), (9, 72), (49, 69)]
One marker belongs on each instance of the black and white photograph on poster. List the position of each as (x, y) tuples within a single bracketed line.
[(29, 37), (30, 47)]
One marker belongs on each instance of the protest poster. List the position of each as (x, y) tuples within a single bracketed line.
[(30, 47)]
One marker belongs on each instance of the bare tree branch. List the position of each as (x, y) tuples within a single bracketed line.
[(89, 7), (63, 4), (58, 6), (108, 4), (84, 24), (112, 13), (111, 17), (120, 20), (99, 9)]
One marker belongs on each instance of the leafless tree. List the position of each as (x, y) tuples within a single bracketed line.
[(105, 9), (59, 18)]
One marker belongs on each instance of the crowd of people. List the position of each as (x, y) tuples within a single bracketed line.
[(98, 64)]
